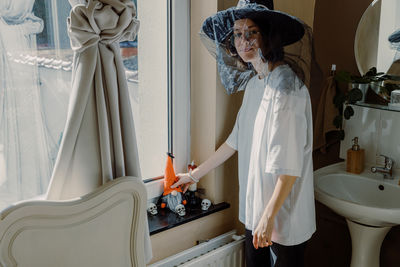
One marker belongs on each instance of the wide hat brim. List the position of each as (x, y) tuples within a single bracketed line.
[(394, 37), (219, 26)]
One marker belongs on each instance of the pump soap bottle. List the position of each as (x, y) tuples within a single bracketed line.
[(355, 158)]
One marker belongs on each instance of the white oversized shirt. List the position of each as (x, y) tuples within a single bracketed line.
[(273, 136)]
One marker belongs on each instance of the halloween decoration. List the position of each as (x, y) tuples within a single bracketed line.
[(152, 209), (205, 204), (172, 197), (180, 210)]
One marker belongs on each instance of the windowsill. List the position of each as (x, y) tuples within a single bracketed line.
[(166, 219), (154, 187)]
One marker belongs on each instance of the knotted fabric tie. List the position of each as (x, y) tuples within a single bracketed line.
[(104, 21)]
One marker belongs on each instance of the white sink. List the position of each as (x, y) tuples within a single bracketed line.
[(364, 198), (370, 204)]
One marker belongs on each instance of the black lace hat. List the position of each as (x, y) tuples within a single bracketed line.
[(287, 28), (394, 40)]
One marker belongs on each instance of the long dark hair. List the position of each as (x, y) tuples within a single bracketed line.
[(273, 48)]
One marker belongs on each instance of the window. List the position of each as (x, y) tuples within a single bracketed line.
[(35, 73), (164, 74), (35, 67)]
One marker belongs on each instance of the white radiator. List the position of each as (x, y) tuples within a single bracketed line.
[(226, 250)]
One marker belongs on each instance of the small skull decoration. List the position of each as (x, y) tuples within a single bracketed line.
[(180, 210), (205, 204), (152, 209)]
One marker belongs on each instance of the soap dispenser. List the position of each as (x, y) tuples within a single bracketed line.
[(355, 158)]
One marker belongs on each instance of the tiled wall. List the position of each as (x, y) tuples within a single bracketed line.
[(378, 132)]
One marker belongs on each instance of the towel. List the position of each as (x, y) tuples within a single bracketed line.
[(326, 113)]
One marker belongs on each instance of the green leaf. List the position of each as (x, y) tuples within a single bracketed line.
[(337, 121), (371, 72), (343, 76), (358, 79), (348, 112), (339, 99), (355, 94), (391, 77)]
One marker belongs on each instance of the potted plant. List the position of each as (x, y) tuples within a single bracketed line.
[(342, 102), (358, 86)]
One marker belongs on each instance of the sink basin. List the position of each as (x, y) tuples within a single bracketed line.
[(370, 204), (364, 198)]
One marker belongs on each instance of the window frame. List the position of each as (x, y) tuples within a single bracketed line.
[(178, 51), (178, 65)]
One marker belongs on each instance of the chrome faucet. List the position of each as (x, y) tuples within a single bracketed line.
[(387, 171)]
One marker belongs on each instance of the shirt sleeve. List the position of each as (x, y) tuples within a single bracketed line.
[(287, 135), (232, 140)]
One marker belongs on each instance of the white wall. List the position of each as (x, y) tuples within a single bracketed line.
[(377, 131)]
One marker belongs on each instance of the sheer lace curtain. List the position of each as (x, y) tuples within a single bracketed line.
[(26, 150)]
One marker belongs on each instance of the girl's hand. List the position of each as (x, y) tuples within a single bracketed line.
[(183, 179), (262, 234)]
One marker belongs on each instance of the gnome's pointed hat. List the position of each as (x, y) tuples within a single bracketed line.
[(170, 177)]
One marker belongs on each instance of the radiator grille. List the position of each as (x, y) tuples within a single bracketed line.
[(224, 250)]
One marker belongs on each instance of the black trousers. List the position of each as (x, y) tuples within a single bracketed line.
[(274, 256)]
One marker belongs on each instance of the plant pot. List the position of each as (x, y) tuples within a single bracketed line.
[(363, 88)]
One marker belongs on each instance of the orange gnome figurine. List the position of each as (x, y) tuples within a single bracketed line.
[(172, 197)]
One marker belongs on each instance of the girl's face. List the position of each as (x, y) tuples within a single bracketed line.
[(247, 40)]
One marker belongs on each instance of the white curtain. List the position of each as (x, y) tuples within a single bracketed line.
[(27, 151), (99, 142)]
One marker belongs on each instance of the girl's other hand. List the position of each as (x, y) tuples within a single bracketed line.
[(262, 234)]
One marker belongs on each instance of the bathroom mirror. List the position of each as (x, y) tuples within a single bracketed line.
[(371, 45), (372, 48)]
